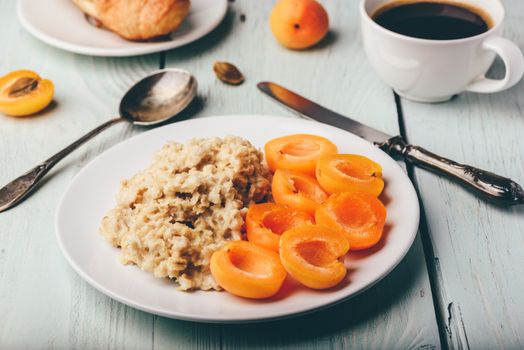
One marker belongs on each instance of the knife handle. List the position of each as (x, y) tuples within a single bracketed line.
[(494, 187)]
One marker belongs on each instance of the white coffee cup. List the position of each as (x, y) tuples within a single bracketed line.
[(434, 70)]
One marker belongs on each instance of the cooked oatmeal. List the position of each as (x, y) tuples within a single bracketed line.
[(172, 216)]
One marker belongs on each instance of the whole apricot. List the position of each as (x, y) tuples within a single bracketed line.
[(299, 24)]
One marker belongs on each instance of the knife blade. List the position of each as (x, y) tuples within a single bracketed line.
[(492, 186), (321, 114)]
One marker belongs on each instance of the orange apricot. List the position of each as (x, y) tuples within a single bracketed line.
[(23, 92), (298, 24), (297, 191), (359, 215), (349, 172), (297, 152), (311, 254), (265, 223), (247, 270)]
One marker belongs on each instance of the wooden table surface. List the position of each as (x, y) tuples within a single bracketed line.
[(460, 286)]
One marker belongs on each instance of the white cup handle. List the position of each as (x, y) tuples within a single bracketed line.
[(513, 60)]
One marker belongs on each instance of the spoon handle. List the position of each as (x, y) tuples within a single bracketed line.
[(12, 193)]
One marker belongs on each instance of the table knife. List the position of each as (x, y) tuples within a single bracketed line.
[(493, 187)]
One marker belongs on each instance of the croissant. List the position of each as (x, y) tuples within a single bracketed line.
[(137, 19)]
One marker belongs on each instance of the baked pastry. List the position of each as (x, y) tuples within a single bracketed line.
[(137, 19)]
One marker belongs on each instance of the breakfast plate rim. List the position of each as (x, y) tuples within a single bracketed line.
[(127, 51), (248, 318)]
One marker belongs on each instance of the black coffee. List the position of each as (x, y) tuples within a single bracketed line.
[(432, 20)]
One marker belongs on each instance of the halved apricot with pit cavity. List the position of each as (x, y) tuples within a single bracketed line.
[(359, 216), (267, 221), (297, 152), (297, 190), (311, 255), (23, 93), (349, 172), (247, 270)]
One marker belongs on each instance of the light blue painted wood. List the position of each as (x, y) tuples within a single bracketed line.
[(478, 247), (43, 303), (398, 312)]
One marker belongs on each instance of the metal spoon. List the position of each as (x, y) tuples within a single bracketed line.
[(151, 101)]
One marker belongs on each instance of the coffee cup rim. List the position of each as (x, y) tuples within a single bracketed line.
[(364, 14)]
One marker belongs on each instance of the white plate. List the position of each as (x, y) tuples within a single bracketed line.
[(60, 23), (92, 192)]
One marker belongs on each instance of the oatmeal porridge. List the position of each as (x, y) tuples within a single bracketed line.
[(171, 217)]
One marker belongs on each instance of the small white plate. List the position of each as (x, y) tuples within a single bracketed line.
[(62, 24), (92, 192)]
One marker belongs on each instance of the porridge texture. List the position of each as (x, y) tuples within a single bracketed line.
[(172, 216)]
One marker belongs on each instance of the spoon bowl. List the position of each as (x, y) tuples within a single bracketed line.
[(158, 97), (155, 99)]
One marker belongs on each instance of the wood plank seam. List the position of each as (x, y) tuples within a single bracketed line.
[(438, 294), (457, 328), (396, 309), (162, 60), (153, 317)]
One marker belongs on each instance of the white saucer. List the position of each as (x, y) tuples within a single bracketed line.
[(60, 23)]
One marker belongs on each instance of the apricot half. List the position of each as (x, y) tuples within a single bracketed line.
[(298, 191), (247, 270), (23, 92), (298, 24), (297, 152), (349, 172), (267, 221), (311, 255), (359, 216)]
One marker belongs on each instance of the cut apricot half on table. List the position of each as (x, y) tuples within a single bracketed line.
[(298, 191), (265, 223), (312, 255), (349, 172), (23, 92), (247, 270), (360, 216), (297, 152)]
